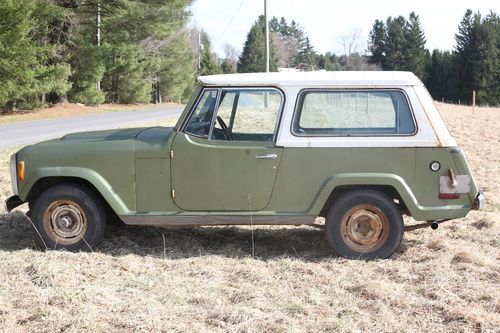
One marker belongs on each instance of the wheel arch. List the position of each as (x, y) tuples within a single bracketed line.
[(391, 185), (42, 179)]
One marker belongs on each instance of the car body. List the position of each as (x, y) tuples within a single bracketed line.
[(268, 148)]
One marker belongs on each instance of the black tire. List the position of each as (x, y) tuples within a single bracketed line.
[(364, 224), (80, 216)]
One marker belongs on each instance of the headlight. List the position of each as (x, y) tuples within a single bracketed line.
[(13, 174)]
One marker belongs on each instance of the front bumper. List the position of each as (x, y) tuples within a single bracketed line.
[(13, 202), (479, 202)]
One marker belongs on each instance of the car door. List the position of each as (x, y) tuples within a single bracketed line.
[(226, 159)]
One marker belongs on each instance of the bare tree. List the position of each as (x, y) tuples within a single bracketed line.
[(230, 53), (350, 42)]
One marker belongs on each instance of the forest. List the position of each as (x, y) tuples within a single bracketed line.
[(143, 51)]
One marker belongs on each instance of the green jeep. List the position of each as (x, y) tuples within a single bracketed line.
[(361, 149)]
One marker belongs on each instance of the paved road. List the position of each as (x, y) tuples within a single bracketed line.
[(23, 133)]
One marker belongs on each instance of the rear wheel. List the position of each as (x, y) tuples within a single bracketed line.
[(68, 217), (364, 224)]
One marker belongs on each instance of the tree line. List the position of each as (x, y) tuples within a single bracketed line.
[(473, 65), (396, 44), (93, 51), (138, 51)]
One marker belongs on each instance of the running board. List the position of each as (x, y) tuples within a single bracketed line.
[(208, 220)]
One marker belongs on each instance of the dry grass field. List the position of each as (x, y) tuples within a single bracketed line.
[(206, 279)]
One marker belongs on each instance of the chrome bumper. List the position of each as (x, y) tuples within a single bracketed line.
[(479, 202)]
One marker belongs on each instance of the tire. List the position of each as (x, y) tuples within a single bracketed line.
[(364, 224), (69, 217)]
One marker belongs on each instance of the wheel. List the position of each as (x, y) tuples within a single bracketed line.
[(364, 224), (68, 217)]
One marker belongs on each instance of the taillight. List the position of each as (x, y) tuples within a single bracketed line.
[(449, 195)]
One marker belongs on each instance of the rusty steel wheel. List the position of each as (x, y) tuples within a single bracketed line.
[(65, 222), (364, 228), (364, 224), (68, 216)]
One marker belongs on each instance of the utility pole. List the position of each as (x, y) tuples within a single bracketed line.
[(200, 47), (98, 37), (267, 36)]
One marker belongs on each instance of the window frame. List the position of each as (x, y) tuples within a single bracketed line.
[(193, 109), (219, 89), (297, 112)]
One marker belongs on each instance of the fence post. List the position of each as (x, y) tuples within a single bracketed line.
[(473, 101)]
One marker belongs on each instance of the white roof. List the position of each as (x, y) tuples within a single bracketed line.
[(350, 78)]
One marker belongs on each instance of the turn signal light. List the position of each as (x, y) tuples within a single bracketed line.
[(449, 195), (20, 171)]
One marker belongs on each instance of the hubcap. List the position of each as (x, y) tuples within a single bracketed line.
[(65, 222), (364, 228)]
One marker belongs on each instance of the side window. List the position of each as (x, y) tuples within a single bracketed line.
[(247, 115), (201, 118), (351, 113)]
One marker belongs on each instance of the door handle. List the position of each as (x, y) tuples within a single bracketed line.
[(266, 156)]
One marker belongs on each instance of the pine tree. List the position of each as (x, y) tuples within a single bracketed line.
[(306, 56), (395, 44), (27, 70), (376, 43), (441, 79), (468, 56), (416, 56), (253, 57), (209, 64)]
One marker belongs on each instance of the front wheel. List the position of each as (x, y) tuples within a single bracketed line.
[(364, 224), (68, 217)]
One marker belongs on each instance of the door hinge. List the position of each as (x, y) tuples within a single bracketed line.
[(171, 154), (173, 193)]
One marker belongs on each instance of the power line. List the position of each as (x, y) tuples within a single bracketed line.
[(229, 23)]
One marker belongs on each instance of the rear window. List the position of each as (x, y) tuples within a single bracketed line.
[(353, 113)]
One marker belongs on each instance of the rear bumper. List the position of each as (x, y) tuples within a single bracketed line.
[(479, 202), (13, 202)]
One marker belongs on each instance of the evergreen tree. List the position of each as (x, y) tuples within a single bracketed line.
[(306, 56), (27, 70), (376, 43), (395, 44), (441, 79), (416, 56), (209, 64), (468, 56), (253, 57)]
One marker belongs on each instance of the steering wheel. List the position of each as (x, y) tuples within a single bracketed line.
[(226, 131)]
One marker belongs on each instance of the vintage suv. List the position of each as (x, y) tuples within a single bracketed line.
[(358, 148)]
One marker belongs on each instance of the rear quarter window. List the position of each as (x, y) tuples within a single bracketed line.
[(353, 113)]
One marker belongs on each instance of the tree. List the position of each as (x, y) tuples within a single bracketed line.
[(376, 43), (441, 79), (306, 56), (230, 60), (468, 56), (416, 56), (253, 57), (137, 40), (27, 69), (209, 63), (395, 44)]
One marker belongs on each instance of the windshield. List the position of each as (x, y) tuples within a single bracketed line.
[(188, 106)]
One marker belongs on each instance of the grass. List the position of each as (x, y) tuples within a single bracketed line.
[(206, 279)]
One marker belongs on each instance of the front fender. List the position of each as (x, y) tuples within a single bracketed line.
[(91, 176), (417, 211)]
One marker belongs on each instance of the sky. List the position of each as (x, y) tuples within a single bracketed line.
[(329, 22)]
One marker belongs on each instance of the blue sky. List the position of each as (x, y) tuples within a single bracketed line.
[(327, 21)]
